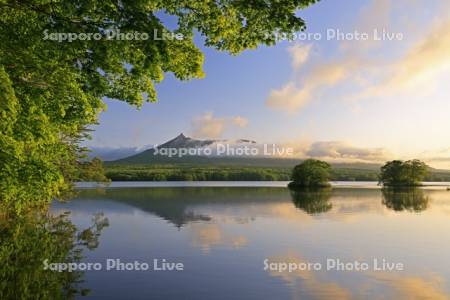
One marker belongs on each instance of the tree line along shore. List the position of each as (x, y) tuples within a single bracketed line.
[(188, 172)]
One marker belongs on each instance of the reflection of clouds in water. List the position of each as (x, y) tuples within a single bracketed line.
[(310, 285), (414, 287), (245, 214), (440, 201), (345, 209), (399, 286), (289, 212), (205, 236)]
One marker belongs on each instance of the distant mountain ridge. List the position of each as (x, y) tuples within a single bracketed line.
[(149, 157), (182, 141)]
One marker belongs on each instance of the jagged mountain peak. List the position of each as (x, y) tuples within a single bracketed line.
[(183, 141), (181, 136)]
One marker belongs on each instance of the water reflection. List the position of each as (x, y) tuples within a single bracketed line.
[(27, 241), (312, 201), (308, 283), (223, 235), (180, 206), (409, 199)]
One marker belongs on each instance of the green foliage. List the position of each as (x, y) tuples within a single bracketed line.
[(194, 173), (91, 171), (311, 173), (27, 240), (51, 91), (403, 173), (204, 172)]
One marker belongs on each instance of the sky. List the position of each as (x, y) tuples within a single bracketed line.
[(346, 96)]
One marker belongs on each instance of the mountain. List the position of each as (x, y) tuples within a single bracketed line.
[(201, 152), (110, 153), (206, 163), (157, 156), (182, 141)]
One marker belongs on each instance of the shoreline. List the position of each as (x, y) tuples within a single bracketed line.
[(282, 184)]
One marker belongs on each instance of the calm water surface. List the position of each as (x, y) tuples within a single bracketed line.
[(223, 235)]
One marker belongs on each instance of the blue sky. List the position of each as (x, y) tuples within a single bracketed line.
[(390, 98)]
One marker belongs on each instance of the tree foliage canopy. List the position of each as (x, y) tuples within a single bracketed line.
[(403, 173), (311, 173), (50, 91)]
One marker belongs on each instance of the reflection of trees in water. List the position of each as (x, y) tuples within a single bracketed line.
[(410, 199), (312, 200), (27, 241)]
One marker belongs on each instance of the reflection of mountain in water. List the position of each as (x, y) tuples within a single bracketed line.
[(182, 205), (177, 205), (312, 201), (409, 199)]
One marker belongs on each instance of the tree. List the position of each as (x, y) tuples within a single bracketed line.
[(403, 173), (51, 88), (311, 173)]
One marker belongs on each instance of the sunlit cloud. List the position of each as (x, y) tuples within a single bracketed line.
[(289, 98), (325, 74), (356, 66), (209, 126), (439, 158), (299, 54), (292, 97), (240, 121), (336, 150), (428, 58)]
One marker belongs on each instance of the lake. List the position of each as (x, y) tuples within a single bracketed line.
[(239, 242)]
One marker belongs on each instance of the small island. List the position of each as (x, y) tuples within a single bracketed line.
[(311, 173), (398, 173)]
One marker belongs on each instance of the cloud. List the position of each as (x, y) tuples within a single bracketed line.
[(240, 121), (427, 58), (289, 98), (341, 151), (369, 75), (438, 159), (299, 54), (297, 93), (208, 126), (376, 15)]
